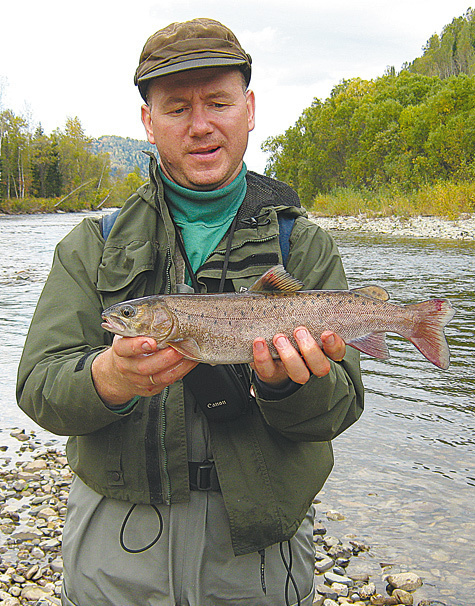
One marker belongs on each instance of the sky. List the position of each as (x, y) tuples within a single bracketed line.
[(61, 59)]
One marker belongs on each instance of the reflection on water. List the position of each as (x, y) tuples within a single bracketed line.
[(404, 474)]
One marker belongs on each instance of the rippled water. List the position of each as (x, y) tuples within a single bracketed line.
[(404, 475)]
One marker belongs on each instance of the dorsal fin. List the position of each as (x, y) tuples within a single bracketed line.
[(276, 279), (375, 292)]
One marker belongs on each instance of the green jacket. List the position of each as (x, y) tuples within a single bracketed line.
[(271, 463)]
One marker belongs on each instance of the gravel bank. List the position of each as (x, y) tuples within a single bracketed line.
[(34, 486), (462, 228)]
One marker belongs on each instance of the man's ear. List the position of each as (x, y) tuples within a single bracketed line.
[(147, 122), (251, 109)]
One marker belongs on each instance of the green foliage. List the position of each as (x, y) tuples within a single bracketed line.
[(401, 131), (450, 54), (404, 130), (41, 173)]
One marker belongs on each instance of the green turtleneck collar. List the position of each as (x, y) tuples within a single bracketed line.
[(204, 216)]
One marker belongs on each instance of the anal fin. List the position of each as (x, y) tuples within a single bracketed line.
[(373, 344)]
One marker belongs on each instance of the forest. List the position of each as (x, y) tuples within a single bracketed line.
[(391, 137), (61, 171)]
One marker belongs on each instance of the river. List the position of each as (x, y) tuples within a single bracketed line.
[(404, 475)]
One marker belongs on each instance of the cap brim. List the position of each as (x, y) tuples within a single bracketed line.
[(189, 64)]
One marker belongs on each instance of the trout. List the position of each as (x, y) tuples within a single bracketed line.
[(221, 328)]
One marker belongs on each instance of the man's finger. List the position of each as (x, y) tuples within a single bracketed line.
[(128, 347), (291, 359), (333, 345)]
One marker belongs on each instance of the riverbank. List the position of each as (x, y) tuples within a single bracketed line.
[(34, 486), (462, 228)]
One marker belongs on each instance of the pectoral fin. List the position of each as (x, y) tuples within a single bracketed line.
[(188, 348), (373, 344)]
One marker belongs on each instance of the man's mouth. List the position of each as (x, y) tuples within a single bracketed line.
[(207, 151)]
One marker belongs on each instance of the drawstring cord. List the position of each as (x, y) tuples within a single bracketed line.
[(124, 524), (290, 576)]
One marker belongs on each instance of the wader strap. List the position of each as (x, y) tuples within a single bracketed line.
[(203, 475)]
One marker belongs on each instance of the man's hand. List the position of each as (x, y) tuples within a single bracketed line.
[(133, 366), (312, 359)]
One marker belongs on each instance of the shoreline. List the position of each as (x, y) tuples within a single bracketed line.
[(419, 226), (461, 229), (34, 487)]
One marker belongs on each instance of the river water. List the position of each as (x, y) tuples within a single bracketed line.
[(404, 475)]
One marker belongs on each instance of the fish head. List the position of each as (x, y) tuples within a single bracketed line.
[(148, 316)]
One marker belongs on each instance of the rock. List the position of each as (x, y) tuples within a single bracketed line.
[(331, 541), (324, 564), (49, 544), (367, 591), (326, 591), (319, 529), (362, 577), (380, 600), (27, 535), (335, 516), (331, 577), (35, 465), (329, 602), (47, 513), (358, 546), (339, 551), (20, 435), (57, 565), (30, 573), (34, 592), (408, 581), (403, 597), (340, 589)]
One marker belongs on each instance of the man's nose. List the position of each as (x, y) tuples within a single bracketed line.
[(199, 122)]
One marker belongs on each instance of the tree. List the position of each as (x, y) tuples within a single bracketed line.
[(45, 166), (14, 151)]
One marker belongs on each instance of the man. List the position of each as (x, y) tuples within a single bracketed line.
[(171, 506)]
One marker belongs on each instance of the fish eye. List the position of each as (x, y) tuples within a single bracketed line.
[(128, 311)]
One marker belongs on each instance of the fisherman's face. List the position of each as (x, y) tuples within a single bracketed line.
[(200, 122)]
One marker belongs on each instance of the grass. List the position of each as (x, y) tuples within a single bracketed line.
[(447, 200), (17, 206)]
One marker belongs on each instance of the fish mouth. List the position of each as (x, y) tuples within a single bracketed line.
[(113, 324)]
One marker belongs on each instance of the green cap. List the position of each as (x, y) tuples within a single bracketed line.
[(190, 45)]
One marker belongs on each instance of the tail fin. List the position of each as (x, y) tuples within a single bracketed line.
[(428, 335)]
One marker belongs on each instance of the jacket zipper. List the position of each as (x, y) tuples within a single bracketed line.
[(163, 419), (163, 427)]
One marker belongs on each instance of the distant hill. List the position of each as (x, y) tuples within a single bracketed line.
[(125, 153)]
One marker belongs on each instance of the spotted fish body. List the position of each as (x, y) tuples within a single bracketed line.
[(220, 328)]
